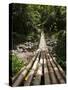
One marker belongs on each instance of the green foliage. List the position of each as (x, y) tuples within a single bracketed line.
[(17, 64), (29, 20), (56, 20), (60, 49)]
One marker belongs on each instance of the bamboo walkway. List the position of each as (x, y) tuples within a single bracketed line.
[(42, 70)]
